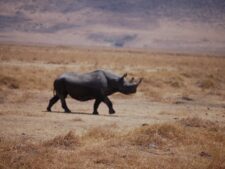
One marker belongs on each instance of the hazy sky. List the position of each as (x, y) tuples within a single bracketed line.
[(175, 25)]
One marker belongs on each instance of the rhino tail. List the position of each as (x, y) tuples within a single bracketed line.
[(54, 92), (54, 88)]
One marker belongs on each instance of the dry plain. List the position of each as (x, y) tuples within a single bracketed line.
[(175, 120)]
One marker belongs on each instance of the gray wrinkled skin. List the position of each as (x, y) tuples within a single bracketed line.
[(96, 85)]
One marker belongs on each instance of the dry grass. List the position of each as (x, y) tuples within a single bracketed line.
[(9, 82), (163, 73), (206, 84), (154, 146), (157, 135), (100, 133), (69, 141), (21, 154), (198, 122)]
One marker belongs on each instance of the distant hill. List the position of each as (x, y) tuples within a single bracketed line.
[(174, 25)]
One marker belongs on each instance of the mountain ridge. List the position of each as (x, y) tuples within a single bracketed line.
[(193, 25)]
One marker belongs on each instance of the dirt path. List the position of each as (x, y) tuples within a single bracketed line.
[(29, 119)]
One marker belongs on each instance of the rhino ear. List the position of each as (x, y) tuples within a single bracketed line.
[(122, 78), (125, 75)]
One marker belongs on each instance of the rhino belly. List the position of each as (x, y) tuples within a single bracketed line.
[(82, 98), (82, 93)]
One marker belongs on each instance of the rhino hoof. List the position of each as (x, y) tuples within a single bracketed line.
[(48, 109), (67, 111), (112, 111), (95, 113)]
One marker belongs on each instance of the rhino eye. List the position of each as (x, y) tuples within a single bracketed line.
[(121, 81)]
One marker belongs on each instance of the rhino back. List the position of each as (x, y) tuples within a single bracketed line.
[(93, 80), (83, 86)]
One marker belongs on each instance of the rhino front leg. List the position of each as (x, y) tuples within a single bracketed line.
[(96, 105), (109, 104)]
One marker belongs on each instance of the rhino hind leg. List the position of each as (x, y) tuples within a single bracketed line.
[(64, 105), (52, 101)]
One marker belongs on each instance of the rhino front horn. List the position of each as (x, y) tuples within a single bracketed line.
[(139, 81)]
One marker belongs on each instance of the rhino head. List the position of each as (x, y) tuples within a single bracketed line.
[(128, 87)]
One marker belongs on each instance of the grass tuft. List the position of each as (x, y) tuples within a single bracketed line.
[(70, 140), (198, 122), (159, 135)]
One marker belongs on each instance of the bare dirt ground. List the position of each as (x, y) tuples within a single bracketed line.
[(180, 94)]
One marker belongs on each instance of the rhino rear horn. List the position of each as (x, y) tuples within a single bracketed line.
[(131, 80)]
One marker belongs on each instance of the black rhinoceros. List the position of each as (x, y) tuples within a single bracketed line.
[(94, 85)]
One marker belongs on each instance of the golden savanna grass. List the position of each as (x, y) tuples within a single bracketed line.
[(151, 146), (193, 142), (37, 67)]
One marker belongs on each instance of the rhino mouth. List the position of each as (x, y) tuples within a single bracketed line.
[(129, 89), (131, 86)]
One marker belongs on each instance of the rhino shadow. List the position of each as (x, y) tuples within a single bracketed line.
[(83, 113)]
